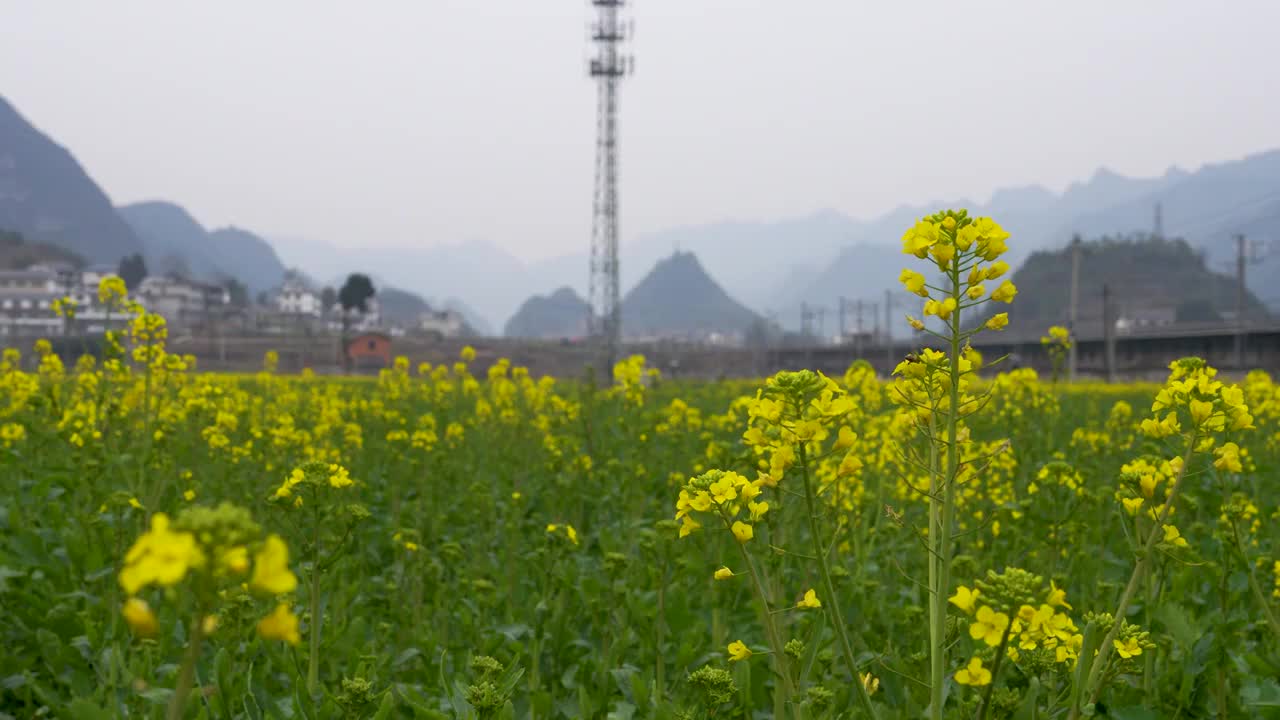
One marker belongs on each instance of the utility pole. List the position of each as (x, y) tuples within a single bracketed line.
[(875, 319), (857, 339), (607, 68), (888, 332), (840, 331), (1108, 334), (1240, 293), (1074, 308)]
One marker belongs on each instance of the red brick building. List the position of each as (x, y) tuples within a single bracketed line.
[(369, 351)]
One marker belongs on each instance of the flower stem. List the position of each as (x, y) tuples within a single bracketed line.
[(832, 604), (187, 673), (1093, 685), (771, 631), (940, 579), (1258, 595), (995, 672), (313, 659)]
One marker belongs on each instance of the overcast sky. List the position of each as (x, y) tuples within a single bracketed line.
[(403, 122)]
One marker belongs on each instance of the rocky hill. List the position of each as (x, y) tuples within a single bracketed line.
[(18, 254), (679, 299), (175, 242), (48, 197), (562, 314), (1151, 281), (246, 257)]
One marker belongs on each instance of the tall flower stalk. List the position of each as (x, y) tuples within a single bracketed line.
[(209, 551), (1198, 409), (935, 384), (316, 491)]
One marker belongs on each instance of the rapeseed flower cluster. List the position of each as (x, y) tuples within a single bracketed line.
[(1015, 617), (724, 495), (631, 377), (1058, 343), (316, 475), (1192, 395), (1194, 405), (209, 549), (958, 245)]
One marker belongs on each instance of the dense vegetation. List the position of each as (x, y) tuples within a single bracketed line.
[(954, 543), (1143, 274)]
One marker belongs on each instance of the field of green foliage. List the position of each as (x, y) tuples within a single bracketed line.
[(443, 542)]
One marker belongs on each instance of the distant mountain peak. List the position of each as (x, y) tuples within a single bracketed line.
[(1024, 197), (562, 314), (679, 298), (173, 238), (50, 198)]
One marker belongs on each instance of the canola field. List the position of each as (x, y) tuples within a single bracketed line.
[(953, 541)]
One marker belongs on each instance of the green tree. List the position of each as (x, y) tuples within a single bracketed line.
[(238, 291), (356, 293), (354, 297), (133, 270)]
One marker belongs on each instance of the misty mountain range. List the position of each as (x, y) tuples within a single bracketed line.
[(770, 267)]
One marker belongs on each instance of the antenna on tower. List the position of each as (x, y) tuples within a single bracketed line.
[(1159, 222), (607, 68)]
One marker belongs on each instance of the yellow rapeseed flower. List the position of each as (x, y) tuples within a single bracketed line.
[(235, 560), (974, 674), (1005, 293), (913, 282), (989, 626), (688, 525), (965, 599), (271, 571), (1057, 596), (742, 531), (1128, 648), (919, 238), (738, 650), (141, 620), (281, 624), (723, 573), (159, 556), (1173, 537), (339, 477), (810, 600)]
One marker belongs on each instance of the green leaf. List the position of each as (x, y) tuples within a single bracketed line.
[(405, 657), (157, 696), (622, 711), (1178, 624), (811, 649), (384, 710), (1092, 639), (83, 709), (1133, 713), (1030, 709), (302, 704)]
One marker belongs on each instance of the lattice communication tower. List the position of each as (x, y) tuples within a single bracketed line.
[(610, 65)]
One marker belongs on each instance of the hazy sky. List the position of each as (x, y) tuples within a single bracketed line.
[(433, 121)]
